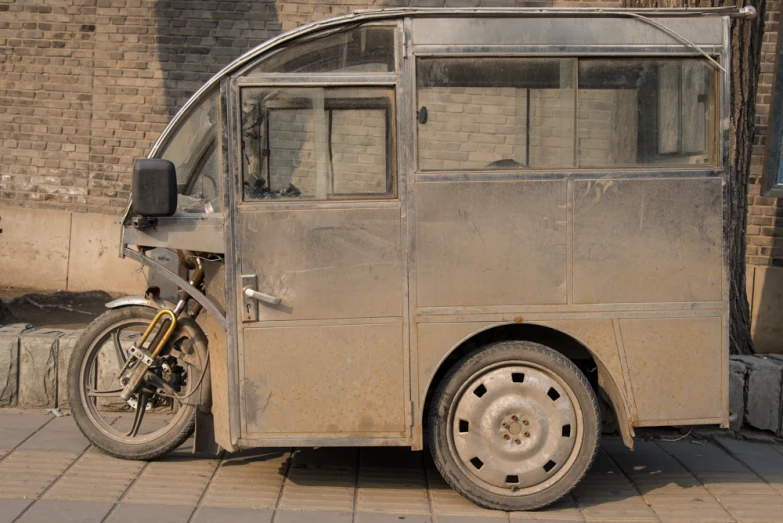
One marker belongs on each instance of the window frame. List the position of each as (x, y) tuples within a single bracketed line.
[(772, 178), (396, 25), (392, 174), (718, 160)]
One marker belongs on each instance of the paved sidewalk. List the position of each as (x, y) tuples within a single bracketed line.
[(49, 472)]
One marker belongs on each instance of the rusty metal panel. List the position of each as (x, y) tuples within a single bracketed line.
[(198, 232), (565, 31), (324, 381), (490, 243), (675, 367), (648, 240), (218, 354), (325, 263)]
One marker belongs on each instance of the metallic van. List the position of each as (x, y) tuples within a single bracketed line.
[(490, 232)]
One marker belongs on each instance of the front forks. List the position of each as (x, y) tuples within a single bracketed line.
[(146, 358)]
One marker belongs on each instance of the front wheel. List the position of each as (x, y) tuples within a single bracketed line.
[(513, 426), (160, 416)]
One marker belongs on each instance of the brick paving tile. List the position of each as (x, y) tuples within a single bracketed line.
[(666, 486), (47, 511), (232, 515), (311, 516), (27, 473), (11, 508), (761, 458), (61, 434), (95, 477), (745, 495), (374, 517), (606, 495), (46, 475), (251, 480), (136, 513), (190, 476)]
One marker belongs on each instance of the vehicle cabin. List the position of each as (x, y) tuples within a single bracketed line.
[(484, 229)]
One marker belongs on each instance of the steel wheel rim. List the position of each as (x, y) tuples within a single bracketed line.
[(509, 434), (86, 376)]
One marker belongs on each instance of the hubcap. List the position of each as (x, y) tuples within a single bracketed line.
[(514, 428)]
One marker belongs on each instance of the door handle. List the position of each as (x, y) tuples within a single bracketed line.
[(260, 296)]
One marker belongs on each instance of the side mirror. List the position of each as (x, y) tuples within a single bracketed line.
[(154, 188)]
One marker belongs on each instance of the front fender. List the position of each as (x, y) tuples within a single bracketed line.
[(154, 303)]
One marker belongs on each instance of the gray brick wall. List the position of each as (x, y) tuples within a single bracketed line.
[(87, 85)]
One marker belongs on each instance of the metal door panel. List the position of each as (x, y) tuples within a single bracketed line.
[(325, 263), (491, 243), (324, 381), (675, 367), (648, 241)]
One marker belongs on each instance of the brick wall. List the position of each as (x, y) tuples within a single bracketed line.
[(765, 215), (87, 85)]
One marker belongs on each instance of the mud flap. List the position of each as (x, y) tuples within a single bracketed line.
[(205, 434)]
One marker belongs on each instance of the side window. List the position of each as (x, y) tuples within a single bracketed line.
[(193, 151), (641, 111), (318, 143), (495, 113), (517, 113)]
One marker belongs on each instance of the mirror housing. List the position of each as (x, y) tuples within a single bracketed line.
[(154, 188)]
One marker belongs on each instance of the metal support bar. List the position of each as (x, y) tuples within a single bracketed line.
[(194, 293)]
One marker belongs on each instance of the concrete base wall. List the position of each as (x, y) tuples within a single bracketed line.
[(56, 250)]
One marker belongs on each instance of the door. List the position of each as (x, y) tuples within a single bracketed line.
[(318, 226)]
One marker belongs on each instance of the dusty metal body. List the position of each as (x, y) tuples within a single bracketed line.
[(380, 287)]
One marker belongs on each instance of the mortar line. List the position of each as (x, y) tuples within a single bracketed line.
[(698, 479), (36, 431), (633, 484), (282, 485), (221, 459), (356, 484), (427, 487), (746, 465), (51, 484)]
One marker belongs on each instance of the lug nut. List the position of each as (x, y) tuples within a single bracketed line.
[(527, 434), (514, 417), (504, 424), (526, 422), (506, 436), (518, 442)]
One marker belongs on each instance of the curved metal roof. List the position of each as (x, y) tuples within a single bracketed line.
[(365, 15)]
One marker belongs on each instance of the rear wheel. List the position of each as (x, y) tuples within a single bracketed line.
[(161, 414), (514, 426)]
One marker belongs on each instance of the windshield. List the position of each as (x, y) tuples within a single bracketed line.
[(193, 151)]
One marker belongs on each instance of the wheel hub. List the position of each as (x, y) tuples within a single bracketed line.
[(514, 427)]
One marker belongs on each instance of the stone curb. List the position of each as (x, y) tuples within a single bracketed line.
[(34, 366), (756, 390)]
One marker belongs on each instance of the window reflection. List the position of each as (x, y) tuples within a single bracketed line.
[(317, 143), (367, 49)]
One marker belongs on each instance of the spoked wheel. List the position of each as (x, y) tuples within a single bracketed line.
[(514, 426), (161, 414)]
